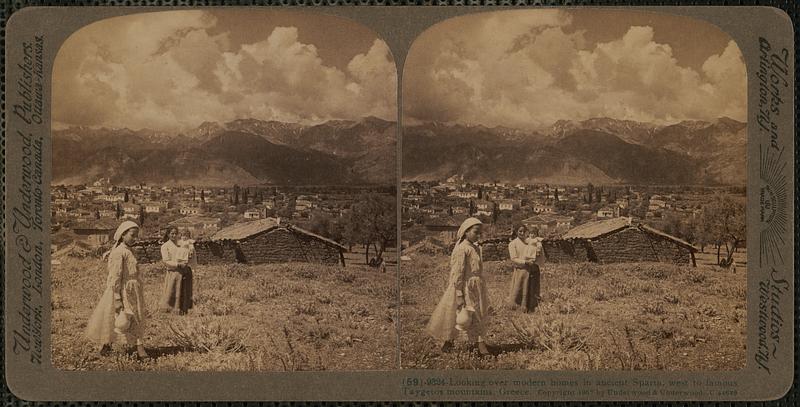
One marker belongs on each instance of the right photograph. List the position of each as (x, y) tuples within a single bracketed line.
[(573, 193)]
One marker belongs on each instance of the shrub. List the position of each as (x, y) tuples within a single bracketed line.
[(270, 291), (308, 308), (671, 299), (344, 275), (600, 295), (619, 289), (695, 277), (204, 335), (287, 354), (360, 310), (709, 311), (251, 295), (554, 335), (567, 308), (556, 295), (588, 269), (57, 303), (305, 272), (238, 271), (656, 273), (656, 308), (221, 307)]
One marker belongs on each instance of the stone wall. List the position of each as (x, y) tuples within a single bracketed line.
[(669, 251), (626, 246), (495, 249), (147, 251), (283, 245), (209, 252), (567, 251)]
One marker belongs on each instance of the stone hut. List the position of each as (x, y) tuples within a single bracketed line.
[(96, 232), (446, 225), (268, 241), (495, 249), (617, 240), (565, 251), (147, 250)]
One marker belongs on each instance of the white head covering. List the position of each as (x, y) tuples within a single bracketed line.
[(468, 223), (121, 229), (124, 227)]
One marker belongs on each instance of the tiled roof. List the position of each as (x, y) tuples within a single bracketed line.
[(99, 224), (245, 229), (591, 230), (668, 236)]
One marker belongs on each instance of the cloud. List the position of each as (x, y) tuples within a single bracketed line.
[(174, 70), (530, 72)]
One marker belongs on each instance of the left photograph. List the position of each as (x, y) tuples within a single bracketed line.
[(224, 194)]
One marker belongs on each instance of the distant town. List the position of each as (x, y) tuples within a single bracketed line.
[(90, 213), (434, 207)]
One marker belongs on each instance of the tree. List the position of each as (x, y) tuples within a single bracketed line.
[(494, 212), (372, 222), (725, 218), (590, 192), (141, 215), (246, 196), (126, 195), (202, 195), (236, 194), (119, 210), (471, 207), (555, 195)]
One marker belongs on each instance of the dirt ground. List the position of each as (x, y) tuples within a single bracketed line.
[(634, 316), (246, 318)]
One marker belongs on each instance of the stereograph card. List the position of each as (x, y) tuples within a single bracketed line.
[(399, 203)]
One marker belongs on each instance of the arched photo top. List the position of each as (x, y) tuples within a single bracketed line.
[(661, 81), (529, 68), (320, 89)]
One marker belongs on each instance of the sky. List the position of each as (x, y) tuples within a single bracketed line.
[(530, 68), (173, 70)]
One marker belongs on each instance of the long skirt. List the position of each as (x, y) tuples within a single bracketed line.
[(525, 288), (100, 327), (177, 295), (442, 324)]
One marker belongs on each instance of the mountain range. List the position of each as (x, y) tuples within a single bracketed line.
[(598, 150), (251, 151), (245, 152)]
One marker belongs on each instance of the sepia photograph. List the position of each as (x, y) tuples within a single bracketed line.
[(224, 194), (573, 194)]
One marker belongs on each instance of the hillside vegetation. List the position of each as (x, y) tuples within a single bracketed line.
[(636, 316), (280, 317)]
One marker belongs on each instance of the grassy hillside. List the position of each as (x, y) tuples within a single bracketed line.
[(617, 316), (246, 318)]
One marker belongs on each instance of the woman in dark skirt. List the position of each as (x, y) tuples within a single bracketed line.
[(525, 288), (177, 294)]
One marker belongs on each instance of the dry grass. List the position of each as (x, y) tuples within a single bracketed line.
[(246, 318), (635, 316)]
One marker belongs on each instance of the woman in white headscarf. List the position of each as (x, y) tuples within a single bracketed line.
[(120, 314), (466, 295)]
